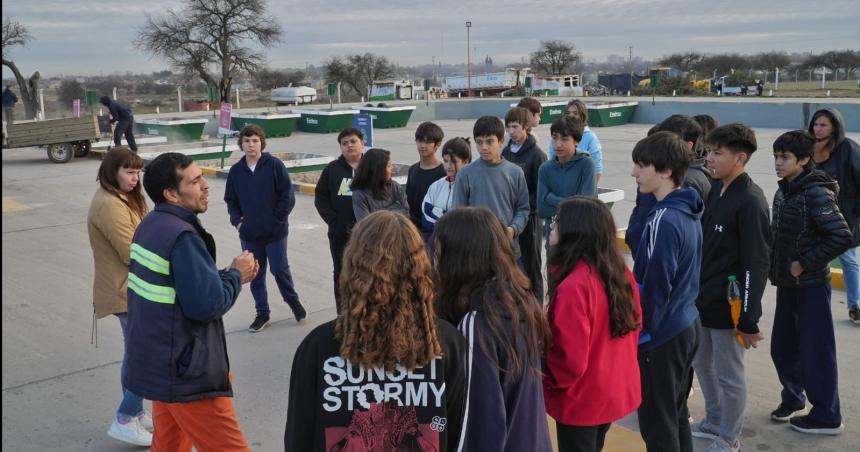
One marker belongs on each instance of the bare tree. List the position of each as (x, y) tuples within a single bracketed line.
[(555, 57), (16, 34), (209, 38), (723, 63), (358, 71), (685, 62)]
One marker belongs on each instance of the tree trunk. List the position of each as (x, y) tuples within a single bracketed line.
[(29, 90)]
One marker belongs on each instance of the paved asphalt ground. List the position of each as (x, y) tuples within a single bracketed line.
[(60, 392)]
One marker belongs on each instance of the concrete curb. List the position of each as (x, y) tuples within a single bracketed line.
[(837, 280)]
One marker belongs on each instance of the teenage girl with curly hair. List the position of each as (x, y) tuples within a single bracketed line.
[(386, 372)]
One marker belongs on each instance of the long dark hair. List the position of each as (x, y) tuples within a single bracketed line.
[(586, 232), (370, 173), (476, 264), (122, 157)]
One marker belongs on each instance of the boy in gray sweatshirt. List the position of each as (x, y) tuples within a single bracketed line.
[(493, 182)]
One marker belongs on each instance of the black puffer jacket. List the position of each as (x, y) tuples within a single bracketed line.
[(844, 167), (807, 227)]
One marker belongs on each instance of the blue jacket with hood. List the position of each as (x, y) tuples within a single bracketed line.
[(261, 200), (667, 266)]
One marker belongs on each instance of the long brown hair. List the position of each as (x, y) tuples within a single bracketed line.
[(586, 232), (122, 157), (386, 288), (477, 269)]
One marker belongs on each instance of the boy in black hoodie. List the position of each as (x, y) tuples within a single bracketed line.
[(736, 242), (523, 151), (809, 232), (667, 270), (839, 157), (333, 198)]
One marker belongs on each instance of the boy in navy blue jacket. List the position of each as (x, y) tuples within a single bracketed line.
[(259, 199), (667, 269)]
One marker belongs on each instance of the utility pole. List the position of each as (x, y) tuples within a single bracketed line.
[(630, 66), (468, 58)]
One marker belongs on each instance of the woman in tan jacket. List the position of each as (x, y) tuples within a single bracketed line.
[(116, 210)]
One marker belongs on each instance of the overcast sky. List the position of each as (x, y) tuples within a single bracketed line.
[(91, 37)]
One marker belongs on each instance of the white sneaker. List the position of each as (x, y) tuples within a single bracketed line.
[(721, 445), (145, 419), (132, 433)]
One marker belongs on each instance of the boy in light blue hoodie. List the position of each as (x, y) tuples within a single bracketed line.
[(667, 268), (567, 174)]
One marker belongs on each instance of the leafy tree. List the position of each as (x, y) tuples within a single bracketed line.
[(555, 57), (16, 34), (723, 63), (685, 62), (70, 89), (211, 38), (358, 71), (770, 61)]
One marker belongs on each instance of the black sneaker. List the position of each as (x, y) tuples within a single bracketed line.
[(298, 310), (854, 315), (783, 413), (259, 323), (805, 424)]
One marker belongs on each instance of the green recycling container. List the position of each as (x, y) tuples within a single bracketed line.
[(550, 111), (318, 121), (176, 130), (274, 124), (610, 114), (388, 117)]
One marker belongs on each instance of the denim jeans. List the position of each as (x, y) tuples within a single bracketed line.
[(132, 404), (851, 275), (275, 255)]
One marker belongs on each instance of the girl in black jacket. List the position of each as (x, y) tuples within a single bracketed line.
[(808, 231)]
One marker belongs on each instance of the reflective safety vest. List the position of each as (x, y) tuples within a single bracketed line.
[(171, 358)]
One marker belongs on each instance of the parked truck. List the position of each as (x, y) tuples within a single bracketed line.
[(64, 138)]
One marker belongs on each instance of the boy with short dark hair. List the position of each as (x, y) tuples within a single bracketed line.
[(428, 137), (569, 173), (809, 231), (523, 151), (736, 242), (697, 176), (492, 181), (259, 199), (535, 109), (333, 198), (667, 269)]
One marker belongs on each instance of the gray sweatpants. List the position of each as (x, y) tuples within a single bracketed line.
[(719, 366)]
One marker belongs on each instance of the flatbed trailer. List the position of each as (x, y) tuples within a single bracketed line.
[(64, 138)]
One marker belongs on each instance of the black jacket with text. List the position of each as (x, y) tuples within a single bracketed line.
[(736, 241)]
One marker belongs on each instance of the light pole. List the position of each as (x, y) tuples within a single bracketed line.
[(468, 59)]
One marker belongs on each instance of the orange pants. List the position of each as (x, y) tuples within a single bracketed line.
[(209, 425)]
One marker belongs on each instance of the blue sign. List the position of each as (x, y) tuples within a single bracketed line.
[(364, 122)]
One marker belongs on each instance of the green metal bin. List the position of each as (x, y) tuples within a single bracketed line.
[(550, 111), (176, 130), (610, 114), (274, 124), (316, 121), (388, 117)]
